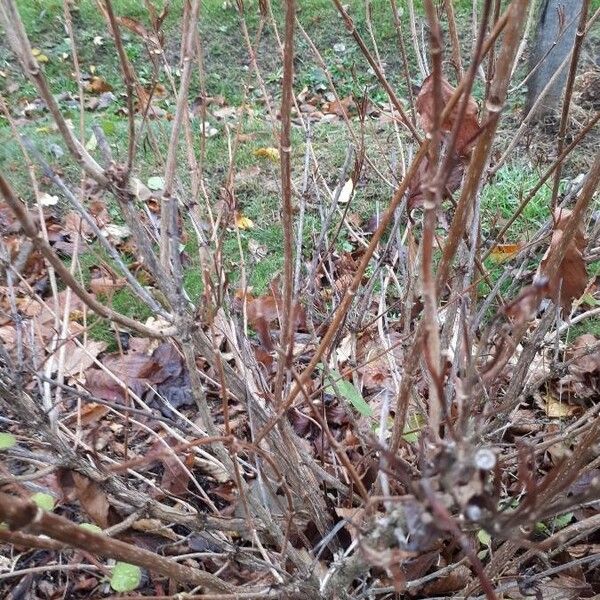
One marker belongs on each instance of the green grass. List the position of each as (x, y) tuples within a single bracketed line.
[(502, 196), (225, 53), (227, 72)]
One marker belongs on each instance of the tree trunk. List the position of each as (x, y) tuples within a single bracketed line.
[(555, 35)]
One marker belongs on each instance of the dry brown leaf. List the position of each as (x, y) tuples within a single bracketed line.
[(263, 311), (415, 189), (583, 379), (212, 469), (503, 252), (75, 224), (134, 26), (342, 108), (556, 408), (154, 526), (175, 478), (374, 361), (92, 499), (106, 285), (525, 306), (571, 279), (454, 581), (584, 362), (97, 85), (89, 414), (163, 370), (469, 127), (79, 359)]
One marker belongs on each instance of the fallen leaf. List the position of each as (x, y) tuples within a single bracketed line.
[(155, 526), (156, 183), (263, 311), (90, 413), (444, 586), (141, 191), (97, 85), (341, 108), (92, 499), (503, 252), (175, 478), (163, 370), (92, 143), (46, 199), (39, 56), (116, 233), (374, 361), (346, 192), (78, 359), (557, 409), (583, 361), (525, 306), (242, 222), (583, 377), (106, 285), (208, 130), (271, 154)]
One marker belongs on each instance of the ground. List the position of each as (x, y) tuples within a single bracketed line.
[(237, 141)]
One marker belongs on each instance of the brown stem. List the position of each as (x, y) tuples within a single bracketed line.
[(128, 78), (433, 199), (405, 66), (515, 18), (285, 147), (452, 30), (23, 514), (169, 237)]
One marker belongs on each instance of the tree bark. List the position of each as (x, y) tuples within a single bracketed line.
[(555, 35)]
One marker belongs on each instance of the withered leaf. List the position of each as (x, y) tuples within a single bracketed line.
[(92, 499), (106, 285), (415, 188), (97, 85), (571, 279), (175, 477), (469, 127), (503, 252), (78, 359), (583, 361), (342, 108), (263, 311), (524, 307)]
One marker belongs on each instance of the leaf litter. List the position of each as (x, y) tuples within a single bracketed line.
[(351, 394)]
